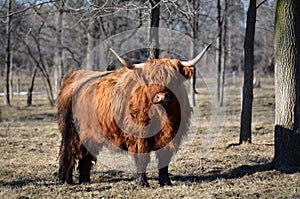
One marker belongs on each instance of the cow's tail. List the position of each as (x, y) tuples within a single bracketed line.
[(71, 146)]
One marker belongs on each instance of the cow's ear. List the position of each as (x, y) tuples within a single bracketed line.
[(188, 66), (187, 72)]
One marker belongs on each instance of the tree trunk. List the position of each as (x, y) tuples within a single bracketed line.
[(58, 74), (11, 83), (45, 73), (246, 115), (224, 54), (153, 41), (287, 84), (49, 90), (30, 88), (229, 53), (93, 36), (90, 64), (8, 55), (219, 51), (194, 34)]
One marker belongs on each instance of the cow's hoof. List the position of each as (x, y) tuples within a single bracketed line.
[(165, 182), (63, 181), (142, 182), (59, 180), (84, 181), (69, 181)]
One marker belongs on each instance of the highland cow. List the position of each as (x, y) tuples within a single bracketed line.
[(139, 108)]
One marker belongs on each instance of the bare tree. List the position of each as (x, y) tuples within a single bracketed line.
[(193, 18), (236, 35), (73, 46), (35, 52), (92, 36), (287, 84), (219, 50), (264, 41), (8, 53), (30, 88), (224, 53), (153, 25), (246, 115), (58, 57)]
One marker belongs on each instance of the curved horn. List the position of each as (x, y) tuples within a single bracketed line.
[(121, 59), (196, 59)]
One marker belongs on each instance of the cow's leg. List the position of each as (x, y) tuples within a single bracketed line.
[(85, 165), (141, 161), (164, 158)]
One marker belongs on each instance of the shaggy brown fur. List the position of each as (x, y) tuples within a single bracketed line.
[(117, 109)]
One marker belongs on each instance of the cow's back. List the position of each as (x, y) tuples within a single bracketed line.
[(75, 105), (74, 85)]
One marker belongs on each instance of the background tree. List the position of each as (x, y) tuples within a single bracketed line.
[(93, 35), (287, 84), (36, 49), (263, 53), (246, 115), (153, 40), (34, 27), (224, 53), (194, 23), (8, 53), (236, 35), (59, 51), (219, 50), (30, 88)]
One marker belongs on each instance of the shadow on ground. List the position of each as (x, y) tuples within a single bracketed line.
[(113, 176), (25, 182), (231, 174)]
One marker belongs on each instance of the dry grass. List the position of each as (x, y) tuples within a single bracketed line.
[(29, 142)]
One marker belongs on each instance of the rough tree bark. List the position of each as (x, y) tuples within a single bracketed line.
[(287, 84), (153, 40), (246, 115)]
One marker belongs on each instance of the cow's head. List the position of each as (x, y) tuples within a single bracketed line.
[(157, 82)]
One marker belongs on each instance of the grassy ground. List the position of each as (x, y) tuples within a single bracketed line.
[(29, 142)]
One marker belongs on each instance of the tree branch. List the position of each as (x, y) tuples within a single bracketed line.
[(264, 1), (73, 56), (28, 8)]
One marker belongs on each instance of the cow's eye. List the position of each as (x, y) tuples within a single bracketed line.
[(162, 97)]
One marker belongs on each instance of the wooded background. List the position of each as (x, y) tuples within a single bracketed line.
[(49, 39)]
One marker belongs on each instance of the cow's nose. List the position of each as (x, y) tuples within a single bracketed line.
[(161, 98)]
